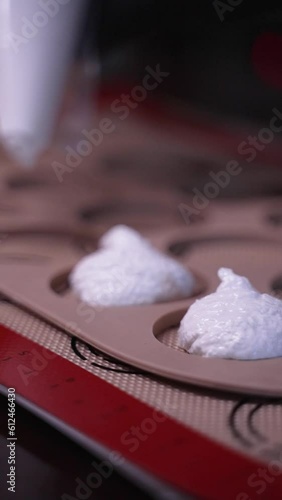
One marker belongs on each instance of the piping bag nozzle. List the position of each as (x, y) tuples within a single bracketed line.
[(35, 57)]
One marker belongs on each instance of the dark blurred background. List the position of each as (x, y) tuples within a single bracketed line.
[(224, 59), (221, 57)]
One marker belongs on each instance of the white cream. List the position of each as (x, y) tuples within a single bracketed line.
[(234, 322), (128, 270)]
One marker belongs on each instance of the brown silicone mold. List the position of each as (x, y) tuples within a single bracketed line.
[(145, 336), (142, 210), (30, 201), (36, 246), (183, 172)]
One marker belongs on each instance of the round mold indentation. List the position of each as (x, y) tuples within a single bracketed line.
[(26, 182), (165, 329), (185, 171), (60, 283), (120, 162), (180, 248), (257, 258), (275, 218), (138, 214), (169, 169), (120, 209), (36, 244), (276, 286)]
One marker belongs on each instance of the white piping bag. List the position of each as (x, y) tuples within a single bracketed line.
[(37, 40)]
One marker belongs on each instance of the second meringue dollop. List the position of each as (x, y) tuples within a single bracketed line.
[(234, 322)]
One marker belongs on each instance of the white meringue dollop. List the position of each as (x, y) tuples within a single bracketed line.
[(235, 322), (128, 270)]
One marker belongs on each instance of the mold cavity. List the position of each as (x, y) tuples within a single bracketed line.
[(165, 329), (60, 283), (182, 247), (179, 248), (83, 243), (35, 247), (275, 219), (20, 258), (120, 162), (120, 209), (276, 286), (18, 183)]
